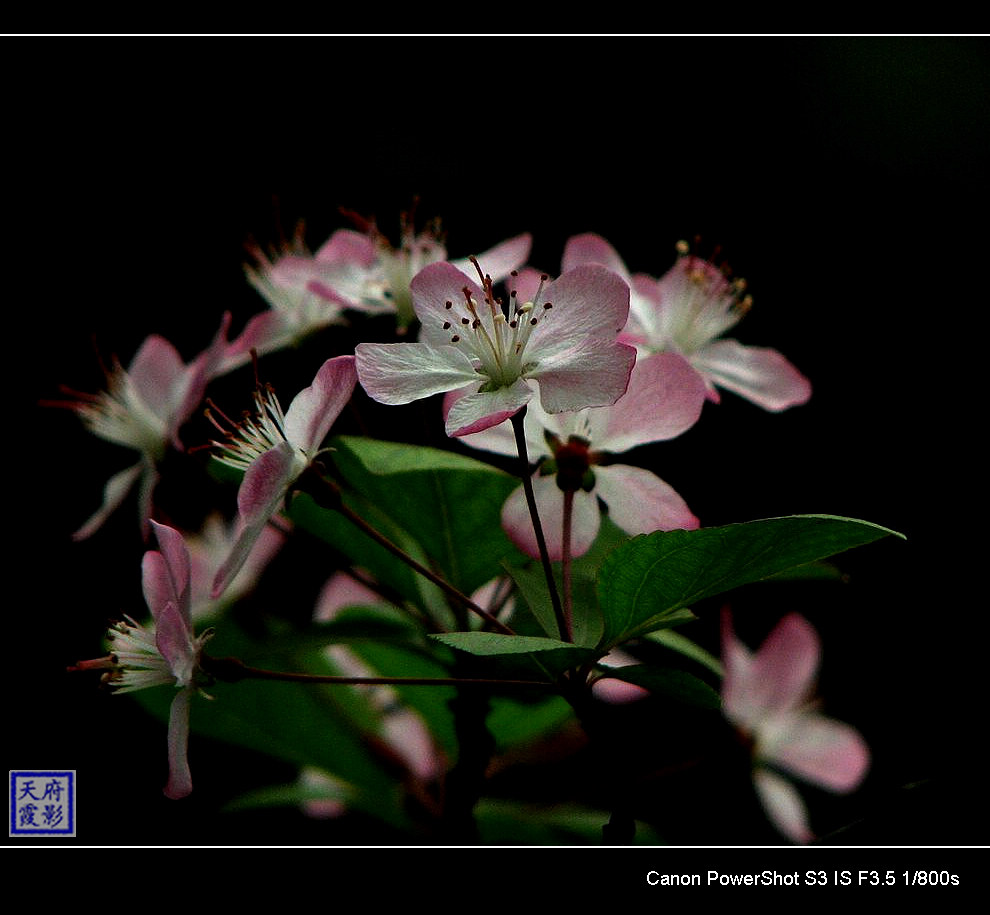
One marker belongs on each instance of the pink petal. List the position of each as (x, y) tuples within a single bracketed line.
[(340, 591), (315, 409), (178, 564), (434, 286), (588, 302), (498, 262), (785, 666), (762, 376), (410, 739), (737, 661), (155, 370), (263, 488), (206, 366), (115, 492), (518, 524), (615, 691), (499, 438), (263, 333), (783, 806), (828, 753), (175, 644), (664, 399), (481, 410), (179, 777), (159, 590), (590, 248), (595, 376), (525, 283), (346, 246), (399, 373), (775, 680), (640, 502)]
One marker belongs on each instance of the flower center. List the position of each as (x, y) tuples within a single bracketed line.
[(495, 337), (121, 415), (245, 441), (705, 304), (572, 460)]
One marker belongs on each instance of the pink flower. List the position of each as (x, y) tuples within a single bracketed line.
[(563, 338), (353, 270), (209, 549), (143, 409), (766, 696), (400, 728), (273, 449), (686, 311), (164, 653), (664, 399)]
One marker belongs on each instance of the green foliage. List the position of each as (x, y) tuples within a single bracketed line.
[(446, 503), (645, 582)]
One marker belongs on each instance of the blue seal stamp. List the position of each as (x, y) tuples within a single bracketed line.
[(42, 802)]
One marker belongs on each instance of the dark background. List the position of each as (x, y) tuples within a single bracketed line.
[(845, 178)]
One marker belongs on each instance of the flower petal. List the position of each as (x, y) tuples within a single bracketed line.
[(173, 638), (518, 523), (773, 682), (783, 805), (588, 302), (483, 409), (664, 399), (640, 502), (763, 376), (498, 262), (264, 486), (398, 373), (589, 377), (347, 246), (590, 248), (115, 492), (178, 564), (315, 409), (432, 288), (155, 371), (786, 664), (188, 394), (823, 751), (179, 783)]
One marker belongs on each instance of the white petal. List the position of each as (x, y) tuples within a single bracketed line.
[(315, 409), (783, 805), (664, 398), (640, 502), (484, 409), (761, 375), (399, 373)]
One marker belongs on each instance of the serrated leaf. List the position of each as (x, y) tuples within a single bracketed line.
[(521, 654), (644, 581), (448, 503), (669, 682)]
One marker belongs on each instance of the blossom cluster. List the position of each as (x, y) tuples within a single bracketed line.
[(575, 368)]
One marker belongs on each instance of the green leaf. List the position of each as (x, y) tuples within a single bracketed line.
[(669, 682), (525, 654), (643, 582), (302, 724), (677, 641), (508, 822), (448, 503)]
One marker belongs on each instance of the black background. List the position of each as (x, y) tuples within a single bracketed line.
[(844, 177)]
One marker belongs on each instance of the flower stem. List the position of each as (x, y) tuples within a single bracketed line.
[(518, 428), (232, 670), (565, 558), (328, 495)]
